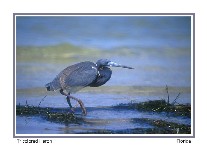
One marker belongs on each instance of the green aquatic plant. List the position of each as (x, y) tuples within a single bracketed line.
[(160, 105), (163, 106), (57, 115)]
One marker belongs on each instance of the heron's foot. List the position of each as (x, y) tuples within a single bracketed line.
[(82, 107), (78, 100), (72, 110)]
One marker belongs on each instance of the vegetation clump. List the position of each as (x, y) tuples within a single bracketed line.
[(163, 106), (51, 114)]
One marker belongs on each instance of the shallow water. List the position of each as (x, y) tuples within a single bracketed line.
[(98, 119), (157, 47), (101, 115)]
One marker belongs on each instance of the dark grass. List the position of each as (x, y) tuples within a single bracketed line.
[(57, 115), (159, 106)]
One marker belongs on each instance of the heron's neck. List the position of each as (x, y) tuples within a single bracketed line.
[(98, 65)]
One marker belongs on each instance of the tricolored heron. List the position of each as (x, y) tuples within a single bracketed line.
[(80, 75)]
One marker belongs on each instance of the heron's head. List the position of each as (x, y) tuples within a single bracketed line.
[(107, 63)]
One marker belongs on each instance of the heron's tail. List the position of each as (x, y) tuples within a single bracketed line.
[(49, 87)]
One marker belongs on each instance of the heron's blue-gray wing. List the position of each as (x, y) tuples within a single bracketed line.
[(78, 76)]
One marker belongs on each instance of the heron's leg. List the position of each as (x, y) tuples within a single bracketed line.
[(78, 100), (69, 103), (68, 100)]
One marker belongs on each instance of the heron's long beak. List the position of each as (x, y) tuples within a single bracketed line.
[(113, 64)]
